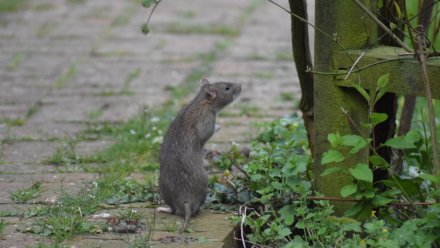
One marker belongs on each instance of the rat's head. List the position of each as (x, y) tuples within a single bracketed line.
[(220, 94)]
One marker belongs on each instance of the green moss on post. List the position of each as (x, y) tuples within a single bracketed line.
[(342, 19)]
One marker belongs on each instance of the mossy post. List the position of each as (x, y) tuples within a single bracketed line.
[(344, 23)]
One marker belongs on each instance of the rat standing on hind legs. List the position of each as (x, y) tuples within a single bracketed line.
[(183, 180)]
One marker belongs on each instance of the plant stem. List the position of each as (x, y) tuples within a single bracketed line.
[(422, 58)]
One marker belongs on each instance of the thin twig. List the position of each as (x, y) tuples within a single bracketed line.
[(362, 68), (152, 11), (329, 198), (237, 166), (243, 219), (355, 63), (378, 22), (422, 58)]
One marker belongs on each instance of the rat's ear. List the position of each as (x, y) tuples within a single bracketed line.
[(209, 93), (204, 82)]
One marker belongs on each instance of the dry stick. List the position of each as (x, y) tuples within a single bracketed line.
[(422, 58), (378, 22), (362, 68), (355, 63), (329, 198), (243, 218)]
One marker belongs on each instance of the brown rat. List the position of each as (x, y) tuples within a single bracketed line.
[(183, 180)]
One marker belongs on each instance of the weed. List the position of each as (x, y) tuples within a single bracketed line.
[(130, 78), (286, 96), (223, 45), (43, 7), (51, 245), (136, 142), (24, 195), (171, 226), (95, 114), (249, 110), (64, 155), (141, 241), (76, 2), (131, 214), (12, 122), (219, 29), (97, 130), (256, 56), (265, 74), (66, 77), (33, 109), (2, 227), (284, 56), (65, 218), (7, 6), (45, 29), (250, 9), (16, 61), (187, 14), (9, 213), (114, 188), (125, 17)]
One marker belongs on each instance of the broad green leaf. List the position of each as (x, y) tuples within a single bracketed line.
[(379, 4), (354, 210), (377, 118), (397, 7), (383, 81), (335, 139), (348, 190), (355, 141), (377, 161), (331, 170), (369, 194), (361, 91), (404, 142), (283, 232), (382, 86), (362, 172), (410, 186), (351, 140), (287, 214), (379, 201), (431, 178), (332, 156)]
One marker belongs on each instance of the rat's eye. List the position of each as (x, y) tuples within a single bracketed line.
[(227, 88)]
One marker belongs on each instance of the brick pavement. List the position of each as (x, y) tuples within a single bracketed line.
[(63, 61)]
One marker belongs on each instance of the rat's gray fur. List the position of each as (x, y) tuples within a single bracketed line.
[(183, 181)]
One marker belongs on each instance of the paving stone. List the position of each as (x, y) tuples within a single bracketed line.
[(13, 111), (45, 130), (28, 152), (87, 148), (26, 168)]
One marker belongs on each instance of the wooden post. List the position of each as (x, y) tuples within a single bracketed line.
[(341, 20)]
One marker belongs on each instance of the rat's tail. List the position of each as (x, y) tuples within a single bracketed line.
[(188, 212)]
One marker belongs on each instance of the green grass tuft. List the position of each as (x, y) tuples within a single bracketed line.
[(24, 195), (7, 6)]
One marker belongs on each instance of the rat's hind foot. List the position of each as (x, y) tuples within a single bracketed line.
[(165, 210)]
